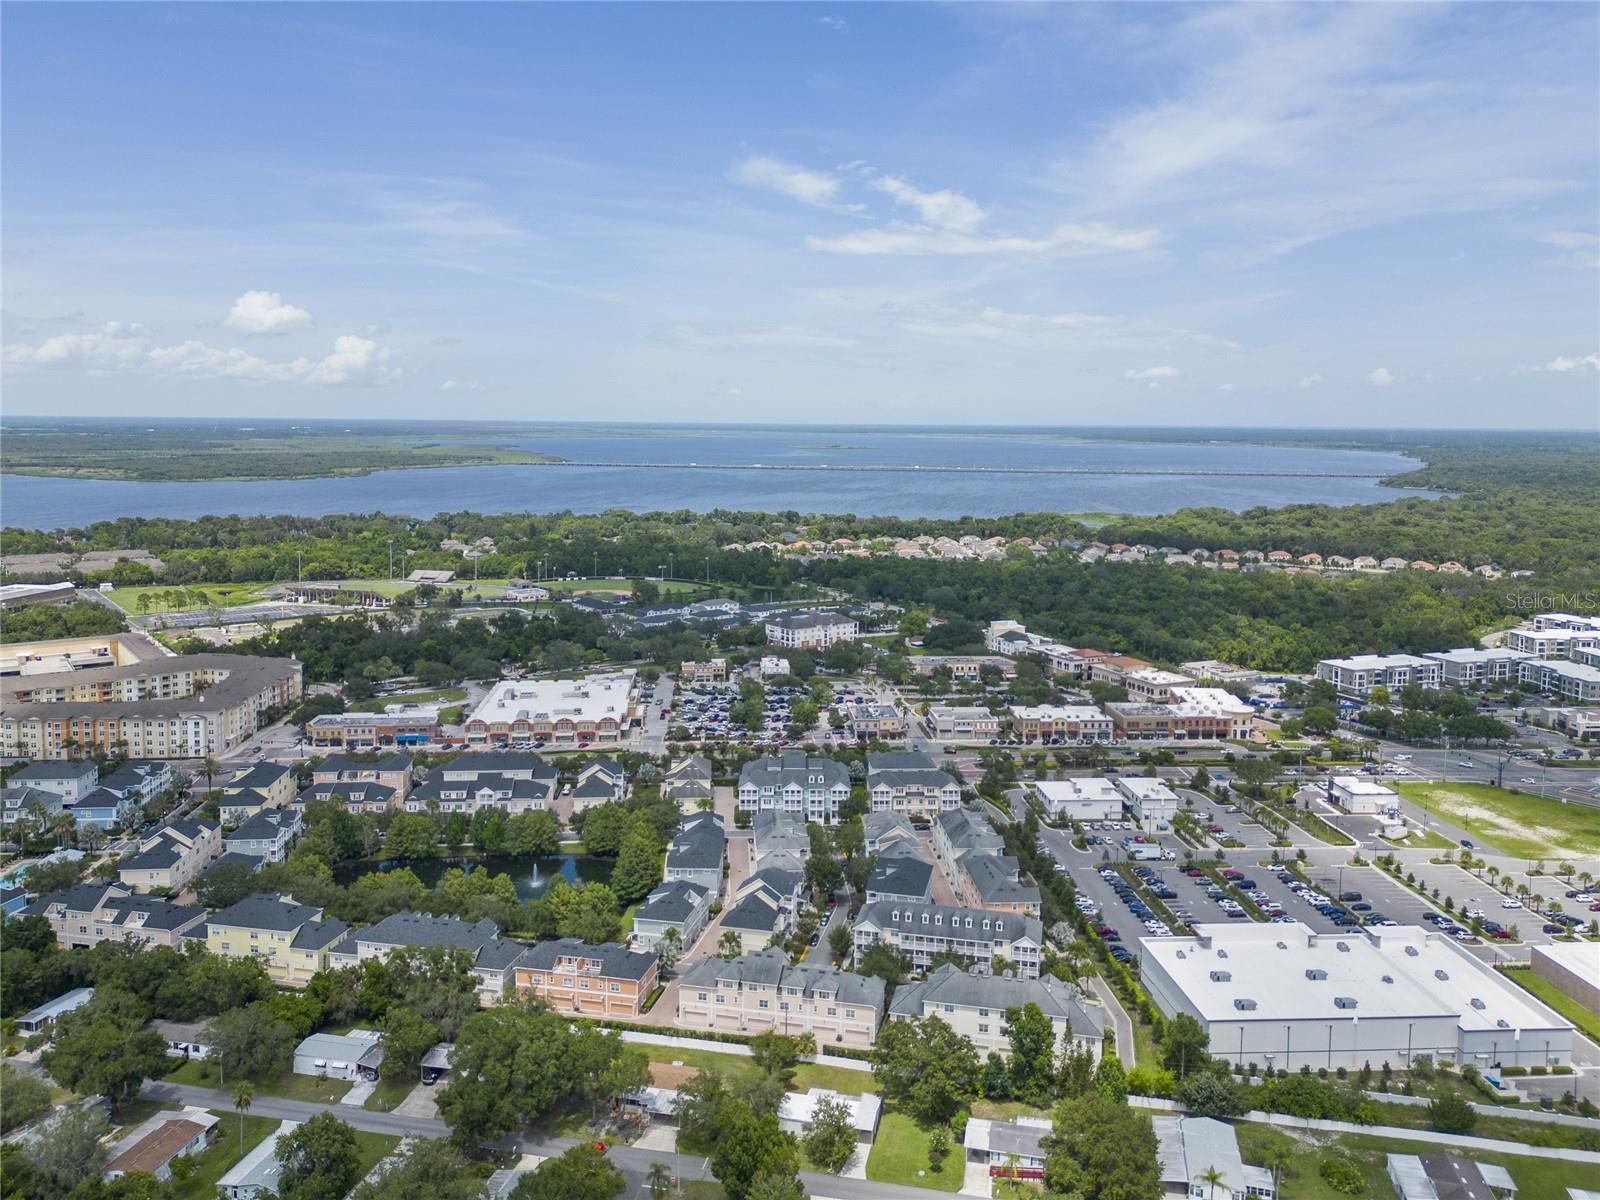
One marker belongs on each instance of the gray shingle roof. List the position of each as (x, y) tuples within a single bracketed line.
[(262, 775), (345, 762), (697, 846), (423, 929), (951, 985), (943, 920), (773, 968), (314, 935), (793, 767), (671, 902), (616, 961), (265, 912), (901, 875), (55, 769)]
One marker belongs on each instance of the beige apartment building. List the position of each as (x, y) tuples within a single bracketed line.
[(759, 992)]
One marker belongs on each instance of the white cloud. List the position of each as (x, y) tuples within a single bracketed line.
[(1091, 238), (265, 312), (809, 187), (837, 24), (1577, 249), (117, 347), (1225, 387), (943, 209), (1309, 381), (1568, 366), (458, 385), (1143, 373), (1380, 377)]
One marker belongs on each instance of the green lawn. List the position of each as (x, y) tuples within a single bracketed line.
[(1431, 841), (165, 598), (900, 1152), (389, 1093), (288, 1086), (1514, 822), (807, 1075), (220, 1157), (1564, 1004), (370, 1147), (377, 703)]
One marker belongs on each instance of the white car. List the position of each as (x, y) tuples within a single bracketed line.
[(1508, 902), (1527, 779), (1474, 914)]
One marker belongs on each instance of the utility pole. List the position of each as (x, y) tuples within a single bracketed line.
[(391, 559), (596, 574)]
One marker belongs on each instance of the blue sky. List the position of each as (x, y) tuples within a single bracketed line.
[(1074, 214)]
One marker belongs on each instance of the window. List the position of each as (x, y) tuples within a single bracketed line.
[(983, 1029)]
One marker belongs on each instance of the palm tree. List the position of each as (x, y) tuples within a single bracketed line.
[(209, 769), (1013, 1161), (659, 1180), (1212, 1178), (728, 947), (243, 1093)]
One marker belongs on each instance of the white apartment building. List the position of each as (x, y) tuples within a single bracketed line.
[(923, 931), (1471, 666), (1087, 799), (1552, 642), (811, 630), (762, 991), (1357, 676), (792, 782)]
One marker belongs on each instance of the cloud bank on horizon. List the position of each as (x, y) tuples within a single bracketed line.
[(1252, 215)]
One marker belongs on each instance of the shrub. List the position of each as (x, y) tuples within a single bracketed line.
[(1343, 1176), (1452, 1114)]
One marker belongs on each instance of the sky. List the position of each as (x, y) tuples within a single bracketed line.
[(1318, 215)]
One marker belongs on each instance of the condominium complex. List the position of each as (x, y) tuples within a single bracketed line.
[(183, 706), (606, 980), (171, 856), (514, 783), (922, 932), (292, 941), (811, 630), (974, 1003), (764, 991), (568, 712), (792, 782), (911, 784), (92, 913), (1357, 676)]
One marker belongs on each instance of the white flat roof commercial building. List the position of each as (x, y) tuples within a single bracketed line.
[(1360, 674), (1573, 967), (1474, 664), (1148, 799), (1285, 997), (595, 708), (1079, 799), (1356, 794)]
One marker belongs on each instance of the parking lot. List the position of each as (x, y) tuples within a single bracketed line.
[(702, 708)]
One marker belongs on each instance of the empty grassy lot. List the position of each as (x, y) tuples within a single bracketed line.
[(161, 598), (900, 1150), (1515, 822)]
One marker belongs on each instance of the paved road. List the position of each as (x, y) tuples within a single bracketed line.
[(297, 1110)]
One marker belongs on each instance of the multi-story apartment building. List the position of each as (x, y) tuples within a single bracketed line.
[(974, 1003), (264, 785), (1472, 666), (869, 719), (371, 731), (386, 770), (960, 834), (1357, 676), (995, 882), (267, 835), (923, 931), (963, 723), (811, 630), (1571, 680), (181, 706), (608, 980), (92, 913), (514, 783), (792, 782), (567, 712), (29, 805), (697, 851), (1552, 641), (1059, 723), (911, 784), (292, 941), (687, 783), (70, 780), (712, 670), (493, 957), (759, 992), (172, 856)]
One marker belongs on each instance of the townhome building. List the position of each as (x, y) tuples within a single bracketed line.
[(923, 931), (104, 809), (493, 957), (386, 770), (995, 882), (608, 980), (758, 992), (69, 779), (792, 782), (291, 941), (810, 630), (266, 836), (779, 839), (26, 804), (974, 1003), (889, 832), (1079, 799), (1081, 723), (900, 876), (514, 783), (600, 781), (264, 785), (91, 913), (352, 797), (1357, 676), (910, 784), (687, 783), (959, 834), (675, 904), (963, 723), (172, 855), (697, 851), (139, 781), (766, 906), (1474, 666)]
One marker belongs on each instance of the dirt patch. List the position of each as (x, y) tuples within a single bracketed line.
[(671, 1075)]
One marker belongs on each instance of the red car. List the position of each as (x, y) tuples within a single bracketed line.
[(1195, 873), (1594, 908)]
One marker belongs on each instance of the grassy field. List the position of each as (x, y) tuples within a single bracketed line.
[(389, 1093), (223, 1153), (807, 1075), (1564, 1004), (186, 597), (370, 1147), (900, 1151), (287, 1086), (1514, 822), (1432, 841), (377, 703)]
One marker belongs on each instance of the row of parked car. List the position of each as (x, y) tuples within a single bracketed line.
[(1137, 908)]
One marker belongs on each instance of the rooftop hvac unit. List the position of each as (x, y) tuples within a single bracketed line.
[(1181, 954), (1344, 1001), (1441, 974), (1243, 1004), (1222, 954), (1316, 973), (1411, 952), (1344, 947), (1502, 1023), (1478, 1004), (1282, 946), (1221, 976)]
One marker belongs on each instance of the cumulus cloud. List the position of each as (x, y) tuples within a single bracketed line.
[(1095, 237), (458, 385), (837, 24), (775, 175), (943, 209), (1380, 377), (118, 347), (1309, 381), (1569, 366), (265, 312), (1142, 373)]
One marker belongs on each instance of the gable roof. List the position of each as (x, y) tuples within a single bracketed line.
[(265, 912), (616, 961), (965, 989)]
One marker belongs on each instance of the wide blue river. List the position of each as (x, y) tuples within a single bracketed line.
[(1225, 474)]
